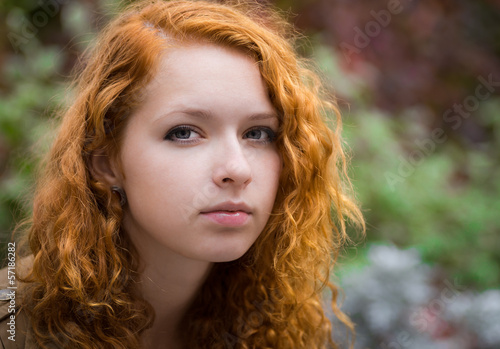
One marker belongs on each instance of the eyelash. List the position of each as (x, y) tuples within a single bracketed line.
[(170, 134)]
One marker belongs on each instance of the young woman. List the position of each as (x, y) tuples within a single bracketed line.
[(186, 201)]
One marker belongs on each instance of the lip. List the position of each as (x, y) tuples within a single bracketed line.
[(228, 213), (229, 206)]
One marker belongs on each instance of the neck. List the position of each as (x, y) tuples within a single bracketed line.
[(170, 284)]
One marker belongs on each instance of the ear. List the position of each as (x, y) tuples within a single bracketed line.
[(104, 169)]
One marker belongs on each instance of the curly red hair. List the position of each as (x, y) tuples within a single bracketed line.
[(80, 291)]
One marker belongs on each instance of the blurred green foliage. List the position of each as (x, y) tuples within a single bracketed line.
[(23, 126), (441, 197), (34, 65), (446, 205)]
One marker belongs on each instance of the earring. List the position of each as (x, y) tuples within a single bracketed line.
[(121, 193)]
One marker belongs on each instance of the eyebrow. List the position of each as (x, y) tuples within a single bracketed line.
[(206, 115)]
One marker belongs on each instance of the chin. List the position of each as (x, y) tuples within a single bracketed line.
[(227, 255)]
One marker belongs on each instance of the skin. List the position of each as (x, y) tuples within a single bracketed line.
[(224, 151)]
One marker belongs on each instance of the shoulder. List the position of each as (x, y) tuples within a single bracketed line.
[(14, 324)]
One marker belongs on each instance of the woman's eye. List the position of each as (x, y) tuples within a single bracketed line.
[(262, 134), (182, 134)]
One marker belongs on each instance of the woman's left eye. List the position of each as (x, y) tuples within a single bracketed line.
[(261, 134)]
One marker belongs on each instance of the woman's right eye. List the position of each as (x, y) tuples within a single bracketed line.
[(182, 134)]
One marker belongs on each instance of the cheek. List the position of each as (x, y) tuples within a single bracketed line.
[(165, 179), (270, 174), (275, 165)]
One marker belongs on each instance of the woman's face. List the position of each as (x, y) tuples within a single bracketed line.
[(200, 164)]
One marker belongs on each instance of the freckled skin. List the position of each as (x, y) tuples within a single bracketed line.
[(219, 154)]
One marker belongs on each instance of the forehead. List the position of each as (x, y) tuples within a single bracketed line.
[(200, 72), (202, 61), (215, 79)]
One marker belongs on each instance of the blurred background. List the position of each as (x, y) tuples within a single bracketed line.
[(419, 87)]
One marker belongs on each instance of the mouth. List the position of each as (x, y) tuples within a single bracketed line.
[(229, 207), (227, 218), (228, 214)]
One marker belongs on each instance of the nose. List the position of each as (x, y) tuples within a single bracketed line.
[(231, 165)]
